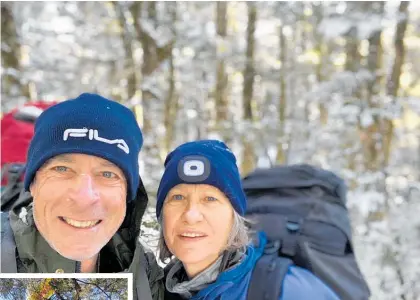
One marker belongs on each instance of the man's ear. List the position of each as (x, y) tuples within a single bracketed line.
[(31, 186)]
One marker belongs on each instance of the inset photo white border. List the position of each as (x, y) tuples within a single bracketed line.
[(128, 276)]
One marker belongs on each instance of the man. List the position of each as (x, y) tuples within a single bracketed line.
[(85, 199)]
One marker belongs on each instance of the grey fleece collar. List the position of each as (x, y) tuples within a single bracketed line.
[(177, 280), (186, 289)]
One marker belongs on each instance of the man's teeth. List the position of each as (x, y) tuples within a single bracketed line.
[(187, 234), (80, 224)]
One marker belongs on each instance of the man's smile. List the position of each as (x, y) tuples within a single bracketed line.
[(80, 224)]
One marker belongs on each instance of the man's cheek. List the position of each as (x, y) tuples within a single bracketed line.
[(40, 182), (39, 216)]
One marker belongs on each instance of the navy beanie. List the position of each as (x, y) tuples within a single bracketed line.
[(203, 162), (89, 124)]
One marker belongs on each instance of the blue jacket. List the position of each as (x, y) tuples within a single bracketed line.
[(233, 283)]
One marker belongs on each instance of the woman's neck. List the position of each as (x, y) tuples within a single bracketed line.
[(193, 269)]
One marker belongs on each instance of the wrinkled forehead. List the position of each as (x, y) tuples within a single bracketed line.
[(78, 158), (194, 188)]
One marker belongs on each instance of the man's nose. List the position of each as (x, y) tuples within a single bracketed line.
[(84, 190)]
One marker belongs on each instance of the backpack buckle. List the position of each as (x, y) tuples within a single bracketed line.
[(15, 168), (293, 226), (290, 241), (14, 171), (272, 248)]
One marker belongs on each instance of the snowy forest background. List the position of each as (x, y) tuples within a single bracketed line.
[(334, 84)]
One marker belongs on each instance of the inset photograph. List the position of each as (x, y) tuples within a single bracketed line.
[(64, 289)]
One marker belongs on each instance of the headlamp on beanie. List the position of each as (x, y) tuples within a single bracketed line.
[(194, 169)]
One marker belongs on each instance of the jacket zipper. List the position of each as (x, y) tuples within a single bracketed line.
[(77, 267)]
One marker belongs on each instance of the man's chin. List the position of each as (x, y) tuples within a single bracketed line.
[(80, 254), (77, 256)]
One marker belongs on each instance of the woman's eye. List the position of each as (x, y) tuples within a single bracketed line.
[(108, 174), (210, 198), (177, 197), (61, 169)]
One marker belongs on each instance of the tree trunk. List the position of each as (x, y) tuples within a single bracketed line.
[(352, 64), (322, 74), (221, 92), (249, 72), (129, 64), (248, 157), (374, 63), (303, 40), (77, 289), (153, 56), (151, 11), (321, 48), (352, 51), (394, 81), (281, 156), (12, 86), (393, 84), (171, 103), (57, 293), (375, 56)]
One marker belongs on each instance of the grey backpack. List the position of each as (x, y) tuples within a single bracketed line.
[(302, 210)]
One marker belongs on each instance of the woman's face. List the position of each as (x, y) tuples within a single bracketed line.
[(197, 221)]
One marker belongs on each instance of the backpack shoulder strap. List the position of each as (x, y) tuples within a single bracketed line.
[(267, 277), (10, 193), (143, 290), (8, 246), (139, 268)]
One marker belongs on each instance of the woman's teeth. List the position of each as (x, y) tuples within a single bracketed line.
[(192, 234)]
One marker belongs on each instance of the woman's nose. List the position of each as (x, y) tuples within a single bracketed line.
[(192, 213)]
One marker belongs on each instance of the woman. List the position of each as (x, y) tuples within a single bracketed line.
[(200, 206)]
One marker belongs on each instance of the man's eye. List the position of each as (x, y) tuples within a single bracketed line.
[(61, 169), (108, 174), (177, 197), (210, 198)]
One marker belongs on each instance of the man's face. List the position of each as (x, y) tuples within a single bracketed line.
[(79, 203)]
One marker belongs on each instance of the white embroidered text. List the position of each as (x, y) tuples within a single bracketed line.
[(93, 134)]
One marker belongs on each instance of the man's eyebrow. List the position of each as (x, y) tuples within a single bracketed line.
[(60, 158), (108, 164)]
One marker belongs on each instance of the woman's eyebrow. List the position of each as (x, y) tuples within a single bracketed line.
[(175, 192)]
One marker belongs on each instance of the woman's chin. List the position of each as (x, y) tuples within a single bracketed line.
[(197, 259), (192, 258)]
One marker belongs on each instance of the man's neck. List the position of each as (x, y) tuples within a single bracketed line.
[(89, 265)]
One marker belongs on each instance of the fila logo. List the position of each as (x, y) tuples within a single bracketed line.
[(94, 135)]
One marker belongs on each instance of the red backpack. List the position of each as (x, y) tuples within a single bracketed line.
[(17, 130)]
